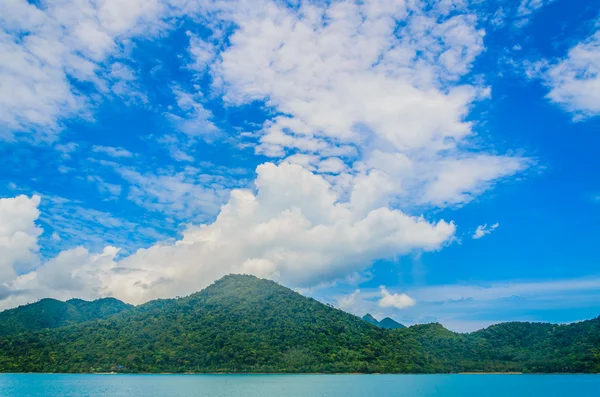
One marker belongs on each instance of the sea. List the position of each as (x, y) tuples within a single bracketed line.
[(50, 385)]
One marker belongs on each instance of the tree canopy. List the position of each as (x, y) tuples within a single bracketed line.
[(245, 324)]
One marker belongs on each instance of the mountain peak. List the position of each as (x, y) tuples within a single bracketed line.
[(390, 324), (387, 322), (238, 277), (370, 319)]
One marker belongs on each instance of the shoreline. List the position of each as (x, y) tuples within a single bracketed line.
[(287, 374)]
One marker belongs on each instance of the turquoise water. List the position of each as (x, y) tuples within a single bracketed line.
[(29, 385)]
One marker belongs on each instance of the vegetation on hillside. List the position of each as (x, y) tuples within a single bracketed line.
[(245, 324), (52, 313)]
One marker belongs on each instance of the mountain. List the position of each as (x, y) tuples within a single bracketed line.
[(239, 323), (387, 322), (370, 319), (245, 324), (52, 313), (390, 324)]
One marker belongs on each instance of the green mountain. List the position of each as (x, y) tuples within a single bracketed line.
[(386, 323), (370, 319), (390, 324), (52, 313), (245, 324)]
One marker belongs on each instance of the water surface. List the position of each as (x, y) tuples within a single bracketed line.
[(42, 385)]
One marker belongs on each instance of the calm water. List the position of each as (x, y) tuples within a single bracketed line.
[(298, 385)]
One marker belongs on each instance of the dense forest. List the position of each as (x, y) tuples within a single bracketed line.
[(244, 324), (52, 313)]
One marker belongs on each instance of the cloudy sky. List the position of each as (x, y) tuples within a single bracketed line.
[(427, 161)]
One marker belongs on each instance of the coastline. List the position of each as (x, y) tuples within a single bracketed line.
[(292, 373)]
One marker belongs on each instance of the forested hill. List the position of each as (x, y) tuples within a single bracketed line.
[(52, 313), (245, 324)]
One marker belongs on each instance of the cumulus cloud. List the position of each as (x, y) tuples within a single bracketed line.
[(349, 88), (352, 75), (355, 95), (18, 235), (575, 80), (73, 273), (398, 301), (293, 229), (301, 237), (354, 91), (483, 230)]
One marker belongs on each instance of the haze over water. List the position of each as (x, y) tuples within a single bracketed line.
[(47, 385)]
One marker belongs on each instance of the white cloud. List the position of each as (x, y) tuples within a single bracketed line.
[(575, 80), (111, 190), (498, 19), (348, 302), (332, 165), (77, 225), (468, 307), (329, 81), (302, 238), (186, 195), (123, 83), (499, 290), (178, 148), (117, 152), (76, 271), (196, 120), (458, 180), (356, 89), (18, 235), (483, 230), (528, 7), (66, 149), (398, 301), (202, 52), (44, 47), (353, 87), (72, 273)]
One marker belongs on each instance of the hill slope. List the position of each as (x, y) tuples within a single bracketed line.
[(244, 324), (52, 313), (240, 323)]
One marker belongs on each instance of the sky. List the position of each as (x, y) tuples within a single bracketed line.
[(426, 161)]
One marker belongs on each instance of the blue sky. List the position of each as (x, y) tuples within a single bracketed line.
[(424, 161)]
